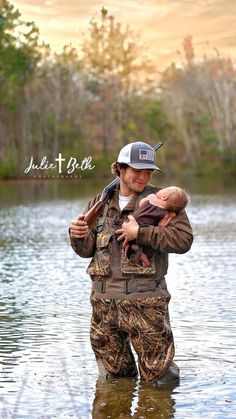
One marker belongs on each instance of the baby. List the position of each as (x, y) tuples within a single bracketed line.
[(167, 201)]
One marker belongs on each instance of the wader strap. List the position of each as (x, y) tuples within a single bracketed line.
[(126, 287), (102, 218)]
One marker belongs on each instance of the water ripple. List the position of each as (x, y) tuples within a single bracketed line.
[(47, 365)]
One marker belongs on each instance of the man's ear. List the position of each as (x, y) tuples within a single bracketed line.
[(119, 167)]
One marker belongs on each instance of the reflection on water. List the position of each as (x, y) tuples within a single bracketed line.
[(47, 368), (127, 399)]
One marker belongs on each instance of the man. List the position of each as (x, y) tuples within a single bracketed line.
[(129, 301)]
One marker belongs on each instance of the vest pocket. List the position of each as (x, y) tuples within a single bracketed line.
[(129, 266), (101, 262)]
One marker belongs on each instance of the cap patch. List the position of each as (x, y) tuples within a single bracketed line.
[(146, 154)]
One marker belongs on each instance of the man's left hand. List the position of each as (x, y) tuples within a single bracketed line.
[(128, 230)]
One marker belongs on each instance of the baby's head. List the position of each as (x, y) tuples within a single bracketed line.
[(175, 198)]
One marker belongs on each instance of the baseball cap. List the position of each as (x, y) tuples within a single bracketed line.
[(138, 155)]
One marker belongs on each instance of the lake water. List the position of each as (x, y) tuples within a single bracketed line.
[(47, 368)]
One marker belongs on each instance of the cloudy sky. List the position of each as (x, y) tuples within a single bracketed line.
[(162, 24)]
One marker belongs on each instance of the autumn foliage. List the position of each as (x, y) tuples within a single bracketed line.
[(107, 93)]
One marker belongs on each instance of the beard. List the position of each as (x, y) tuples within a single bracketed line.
[(133, 185)]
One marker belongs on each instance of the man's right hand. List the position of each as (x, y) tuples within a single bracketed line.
[(79, 228)]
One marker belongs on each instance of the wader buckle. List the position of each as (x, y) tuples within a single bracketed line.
[(103, 287), (130, 287)]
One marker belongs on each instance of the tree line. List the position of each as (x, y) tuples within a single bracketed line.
[(94, 99)]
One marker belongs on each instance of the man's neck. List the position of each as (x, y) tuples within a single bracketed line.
[(124, 191)]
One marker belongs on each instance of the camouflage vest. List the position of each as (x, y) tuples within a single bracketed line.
[(110, 263)]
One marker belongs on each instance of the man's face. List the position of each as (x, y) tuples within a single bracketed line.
[(133, 180)]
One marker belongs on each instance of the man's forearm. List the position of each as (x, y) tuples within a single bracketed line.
[(177, 237), (84, 247)]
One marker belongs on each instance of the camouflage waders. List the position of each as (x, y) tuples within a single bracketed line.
[(142, 321)]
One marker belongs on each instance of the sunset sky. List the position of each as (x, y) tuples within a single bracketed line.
[(162, 24)]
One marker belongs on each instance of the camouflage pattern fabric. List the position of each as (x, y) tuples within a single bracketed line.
[(142, 321)]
